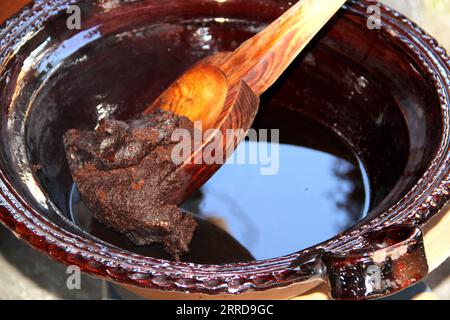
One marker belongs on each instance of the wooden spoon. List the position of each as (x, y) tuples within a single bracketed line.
[(222, 91)]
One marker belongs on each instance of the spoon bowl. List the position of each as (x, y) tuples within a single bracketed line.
[(199, 95)]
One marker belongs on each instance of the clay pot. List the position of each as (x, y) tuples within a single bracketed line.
[(385, 91)]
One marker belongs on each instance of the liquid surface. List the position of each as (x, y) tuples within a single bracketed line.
[(312, 197), (245, 215)]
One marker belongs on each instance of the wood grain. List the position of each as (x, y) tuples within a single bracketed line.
[(237, 114), (262, 59), (259, 62), (199, 95)]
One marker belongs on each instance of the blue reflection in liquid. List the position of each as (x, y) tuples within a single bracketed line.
[(313, 196)]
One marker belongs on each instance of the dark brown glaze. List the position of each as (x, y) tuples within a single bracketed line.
[(123, 170), (392, 260), (384, 91)]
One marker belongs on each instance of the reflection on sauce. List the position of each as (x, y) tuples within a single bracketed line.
[(313, 196)]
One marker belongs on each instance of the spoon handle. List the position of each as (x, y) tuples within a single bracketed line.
[(261, 60)]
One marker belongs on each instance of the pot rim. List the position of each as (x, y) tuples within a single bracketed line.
[(423, 201)]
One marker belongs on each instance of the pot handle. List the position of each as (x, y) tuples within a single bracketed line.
[(391, 260)]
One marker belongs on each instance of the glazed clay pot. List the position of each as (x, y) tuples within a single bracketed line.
[(384, 91)]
